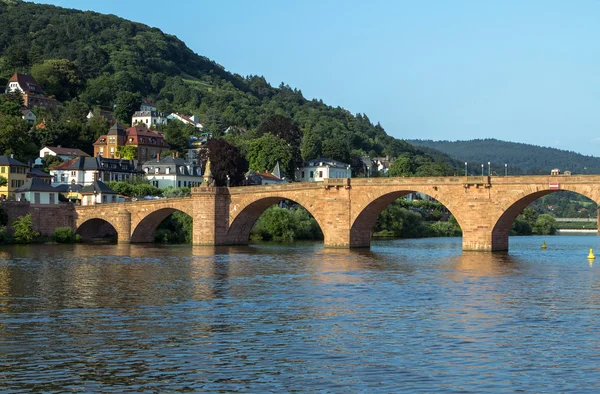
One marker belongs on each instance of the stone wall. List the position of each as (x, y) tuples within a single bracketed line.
[(45, 218)]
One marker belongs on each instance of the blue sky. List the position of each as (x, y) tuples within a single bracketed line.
[(525, 71)]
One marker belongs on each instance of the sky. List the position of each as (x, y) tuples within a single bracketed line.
[(515, 70)]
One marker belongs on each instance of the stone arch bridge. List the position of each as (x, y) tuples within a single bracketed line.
[(345, 209)]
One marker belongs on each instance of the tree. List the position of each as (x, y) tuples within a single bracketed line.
[(282, 127), (266, 151), (545, 225), (58, 78), (15, 139), (336, 149), (3, 215), (127, 103), (11, 103), (311, 145), (175, 135), (23, 229), (225, 159), (404, 165), (127, 152)]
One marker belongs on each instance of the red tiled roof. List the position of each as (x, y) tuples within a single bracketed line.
[(64, 164), (98, 140), (268, 175)]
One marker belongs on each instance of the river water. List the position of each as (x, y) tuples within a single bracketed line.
[(404, 316)]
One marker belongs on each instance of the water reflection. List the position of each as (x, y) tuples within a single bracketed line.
[(267, 317)]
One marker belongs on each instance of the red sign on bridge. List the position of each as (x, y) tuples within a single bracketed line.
[(554, 186)]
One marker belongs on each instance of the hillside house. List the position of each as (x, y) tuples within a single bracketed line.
[(99, 193), (65, 154), (28, 116), (192, 120), (149, 118), (148, 143), (30, 89)]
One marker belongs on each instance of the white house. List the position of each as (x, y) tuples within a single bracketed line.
[(86, 170), (64, 153), (193, 120), (320, 169), (149, 118), (36, 191), (99, 193), (172, 171)]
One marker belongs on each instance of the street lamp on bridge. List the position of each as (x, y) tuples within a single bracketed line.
[(465, 168), (505, 169), (489, 169), (482, 170)]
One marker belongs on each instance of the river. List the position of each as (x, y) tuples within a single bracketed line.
[(404, 316)]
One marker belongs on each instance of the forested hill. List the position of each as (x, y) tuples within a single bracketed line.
[(521, 158), (97, 60)]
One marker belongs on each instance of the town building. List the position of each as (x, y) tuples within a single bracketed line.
[(15, 173), (172, 171), (147, 106), (86, 170), (37, 173), (99, 193), (192, 120), (108, 116), (149, 118), (30, 89), (196, 146), (147, 142), (36, 191), (323, 168), (64, 153)]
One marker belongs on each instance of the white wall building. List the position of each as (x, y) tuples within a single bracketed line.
[(99, 193), (86, 170), (193, 120), (149, 118), (320, 169), (64, 153), (172, 171), (36, 191)]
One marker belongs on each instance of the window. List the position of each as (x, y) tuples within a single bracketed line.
[(167, 170), (320, 174), (73, 173), (36, 197), (51, 198), (184, 183), (156, 170), (302, 174), (312, 174), (101, 149), (104, 198), (3, 170)]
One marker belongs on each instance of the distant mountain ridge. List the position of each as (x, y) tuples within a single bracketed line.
[(520, 158)]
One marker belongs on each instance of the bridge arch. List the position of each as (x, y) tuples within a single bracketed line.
[(513, 207), (367, 207), (245, 215), (96, 228), (145, 222)]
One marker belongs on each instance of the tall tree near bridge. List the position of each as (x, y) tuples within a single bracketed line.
[(225, 159)]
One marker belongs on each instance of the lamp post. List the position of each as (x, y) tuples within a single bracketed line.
[(489, 169), (482, 170), (465, 168), (505, 169), (227, 180)]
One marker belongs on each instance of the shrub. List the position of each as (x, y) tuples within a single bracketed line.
[(65, 235), (4, 237), (23, 229)]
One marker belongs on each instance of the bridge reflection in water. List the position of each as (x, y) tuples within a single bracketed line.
[(345, 209)]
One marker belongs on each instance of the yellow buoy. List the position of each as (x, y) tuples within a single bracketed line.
[(544, 245), (591, 255)]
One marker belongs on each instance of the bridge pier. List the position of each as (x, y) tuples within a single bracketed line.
[(123, 226)]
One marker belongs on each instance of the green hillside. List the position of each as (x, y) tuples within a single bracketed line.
[(88, 60), (521, 158)]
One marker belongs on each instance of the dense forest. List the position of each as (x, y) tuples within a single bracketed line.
[(520, 158), (89, 60)]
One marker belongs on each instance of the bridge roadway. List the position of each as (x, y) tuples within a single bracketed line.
[(345, 209)]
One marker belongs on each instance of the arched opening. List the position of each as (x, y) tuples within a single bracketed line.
[(97, 230), (274, 218), (543, 213), (403, 214), (167, 225)]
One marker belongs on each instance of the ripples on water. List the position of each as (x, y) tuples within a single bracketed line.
[(407, 315)]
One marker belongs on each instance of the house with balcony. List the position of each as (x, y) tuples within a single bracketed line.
[(15, 173), (319, 169), (172, 171), (149, 118), (192, 120)]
